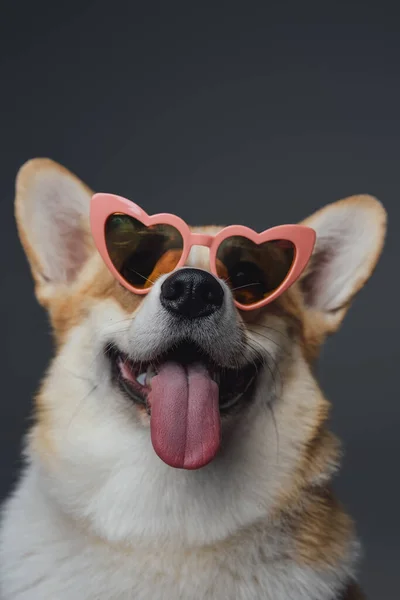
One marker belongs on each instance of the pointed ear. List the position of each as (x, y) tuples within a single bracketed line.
[(52, 213), (350, 237)]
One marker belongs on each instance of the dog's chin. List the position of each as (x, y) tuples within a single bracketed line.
[(134, 378)]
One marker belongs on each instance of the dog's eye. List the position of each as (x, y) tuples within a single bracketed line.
[(245, 273), (247, 280), (253, 271)]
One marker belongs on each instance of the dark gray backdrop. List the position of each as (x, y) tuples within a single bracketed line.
[(223, 113)]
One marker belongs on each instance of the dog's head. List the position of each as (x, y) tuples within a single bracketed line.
[(221, 385)]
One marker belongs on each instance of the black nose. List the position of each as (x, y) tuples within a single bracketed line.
[(191, 293)]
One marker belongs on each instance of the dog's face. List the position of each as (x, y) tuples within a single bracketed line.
[(135, 386)]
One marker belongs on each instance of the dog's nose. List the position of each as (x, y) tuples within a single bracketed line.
[(191, 293)]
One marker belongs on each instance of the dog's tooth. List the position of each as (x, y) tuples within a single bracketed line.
[(149, 375), (148, 380), (141, 379)]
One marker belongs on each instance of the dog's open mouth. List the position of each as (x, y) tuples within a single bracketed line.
[(185, 393)]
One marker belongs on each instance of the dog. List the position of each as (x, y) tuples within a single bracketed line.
[(104, 509)]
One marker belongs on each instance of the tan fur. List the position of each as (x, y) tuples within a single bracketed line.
[(318, 542), (353, 592), (68, 310)]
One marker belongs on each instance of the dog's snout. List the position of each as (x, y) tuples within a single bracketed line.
[(192, 293)]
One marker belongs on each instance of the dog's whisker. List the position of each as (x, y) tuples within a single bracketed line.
[(79, 406), (284, 350), (267, 359), (261, 326), (142, 276), (241, 287), (271, 409), (78, 376)]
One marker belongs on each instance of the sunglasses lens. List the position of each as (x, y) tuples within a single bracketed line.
[(139, 253), (254, 271)]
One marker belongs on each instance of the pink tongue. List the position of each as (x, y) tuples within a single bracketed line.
[(185, 421)]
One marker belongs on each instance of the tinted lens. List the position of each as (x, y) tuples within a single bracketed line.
[(254, 271), (139, 253)]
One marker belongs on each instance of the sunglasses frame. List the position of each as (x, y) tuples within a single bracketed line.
[(104, 205)]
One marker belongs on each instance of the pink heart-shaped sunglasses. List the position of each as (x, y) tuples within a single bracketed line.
[(138, 248)]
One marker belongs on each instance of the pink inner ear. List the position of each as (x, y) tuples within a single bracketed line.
[(313, 280), (72, 249)]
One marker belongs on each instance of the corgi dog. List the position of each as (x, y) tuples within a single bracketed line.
[(180, 446)]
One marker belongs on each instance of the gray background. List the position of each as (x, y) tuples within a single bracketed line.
[(248, 113)]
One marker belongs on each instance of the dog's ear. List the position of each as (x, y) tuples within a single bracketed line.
[(52, 213), (350, 237)]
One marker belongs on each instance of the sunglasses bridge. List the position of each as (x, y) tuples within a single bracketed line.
[(201, 239)]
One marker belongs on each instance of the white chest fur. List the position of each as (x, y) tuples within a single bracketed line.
[(68, 564)]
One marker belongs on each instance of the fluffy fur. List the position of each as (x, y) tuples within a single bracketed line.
[(96, 515)]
